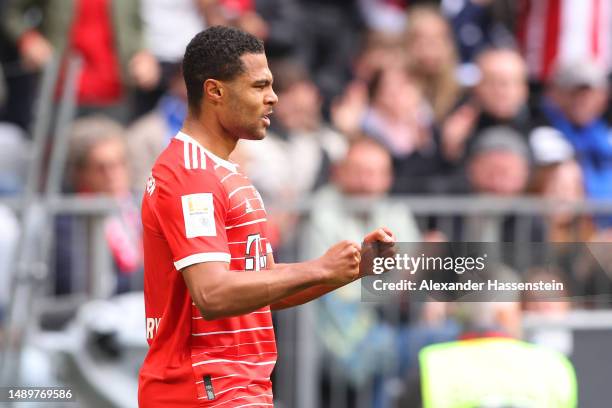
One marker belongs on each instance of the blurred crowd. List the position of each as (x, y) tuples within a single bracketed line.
[(377, 98)]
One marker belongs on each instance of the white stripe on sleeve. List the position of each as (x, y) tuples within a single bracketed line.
[(202, 257)]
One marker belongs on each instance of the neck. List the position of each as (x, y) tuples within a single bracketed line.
[(210, 134)]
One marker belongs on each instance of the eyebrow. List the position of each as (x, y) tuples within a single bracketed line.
[(262, 82)]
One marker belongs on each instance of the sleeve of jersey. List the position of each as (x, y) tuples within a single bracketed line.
[(192, 218)]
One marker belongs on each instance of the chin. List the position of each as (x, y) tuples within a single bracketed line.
[(257, 135)]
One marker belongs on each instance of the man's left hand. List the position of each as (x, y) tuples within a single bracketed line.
[(378, 243)]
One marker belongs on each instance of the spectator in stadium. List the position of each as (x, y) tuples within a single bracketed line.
[(97, 164), (499, 98), (551, 307), (168, 26), (399, 117), (355, 338), (431, 52), (17, 83), (491, 329), (365, 172), (379, 52), (151, 133), (106, 34), (575, 104), (557, 176), (498, 164)]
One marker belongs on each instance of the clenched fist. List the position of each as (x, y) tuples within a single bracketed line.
[(340, 264), (377, 244)]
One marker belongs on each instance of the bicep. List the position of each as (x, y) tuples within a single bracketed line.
[(200, 278)]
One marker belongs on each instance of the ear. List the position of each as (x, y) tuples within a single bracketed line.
[(213, 90)]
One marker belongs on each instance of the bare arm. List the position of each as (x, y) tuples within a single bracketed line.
[(303, 296), (312, 293), (219, 292)]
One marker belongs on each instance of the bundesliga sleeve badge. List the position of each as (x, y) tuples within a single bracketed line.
[(199, 215)]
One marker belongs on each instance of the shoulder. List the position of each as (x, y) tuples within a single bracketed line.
[(184, 166)]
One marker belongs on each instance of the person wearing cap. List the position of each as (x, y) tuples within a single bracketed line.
[(498, 165), (575, 105), (498, 162), (558, 176)]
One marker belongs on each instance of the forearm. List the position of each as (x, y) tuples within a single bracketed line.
[(243, 292), (303, 296)]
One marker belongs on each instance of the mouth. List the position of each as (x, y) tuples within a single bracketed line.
[(266, 118)]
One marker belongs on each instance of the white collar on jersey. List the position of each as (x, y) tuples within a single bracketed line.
[(221, 162)]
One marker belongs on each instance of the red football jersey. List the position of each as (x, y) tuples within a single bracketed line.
[(198, 208)]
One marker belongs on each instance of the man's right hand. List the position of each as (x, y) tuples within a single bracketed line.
[(340, 264)]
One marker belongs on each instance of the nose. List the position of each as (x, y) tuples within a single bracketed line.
[(271, 98)]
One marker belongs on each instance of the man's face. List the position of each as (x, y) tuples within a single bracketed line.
[(106, 169), (300, 107), (398, 96), (249, 100), (498, 172), (581, 105), (366, 171), (503, 90), (431, 45)]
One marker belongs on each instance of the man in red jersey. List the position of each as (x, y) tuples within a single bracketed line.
[(210, 278)]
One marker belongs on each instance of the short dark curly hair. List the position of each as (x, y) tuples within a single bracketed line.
[(215, 53)]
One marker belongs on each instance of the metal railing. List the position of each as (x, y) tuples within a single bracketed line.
[(36, 237), (299, 371)]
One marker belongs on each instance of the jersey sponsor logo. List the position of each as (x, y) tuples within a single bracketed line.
[(199, 215), (152, 326), (255, 256)]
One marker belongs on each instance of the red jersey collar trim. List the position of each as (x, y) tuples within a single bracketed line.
[(218, 160)]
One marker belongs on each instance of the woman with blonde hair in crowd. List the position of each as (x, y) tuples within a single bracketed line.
[(433, 58)]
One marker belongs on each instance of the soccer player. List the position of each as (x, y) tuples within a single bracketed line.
[(210, 278)]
